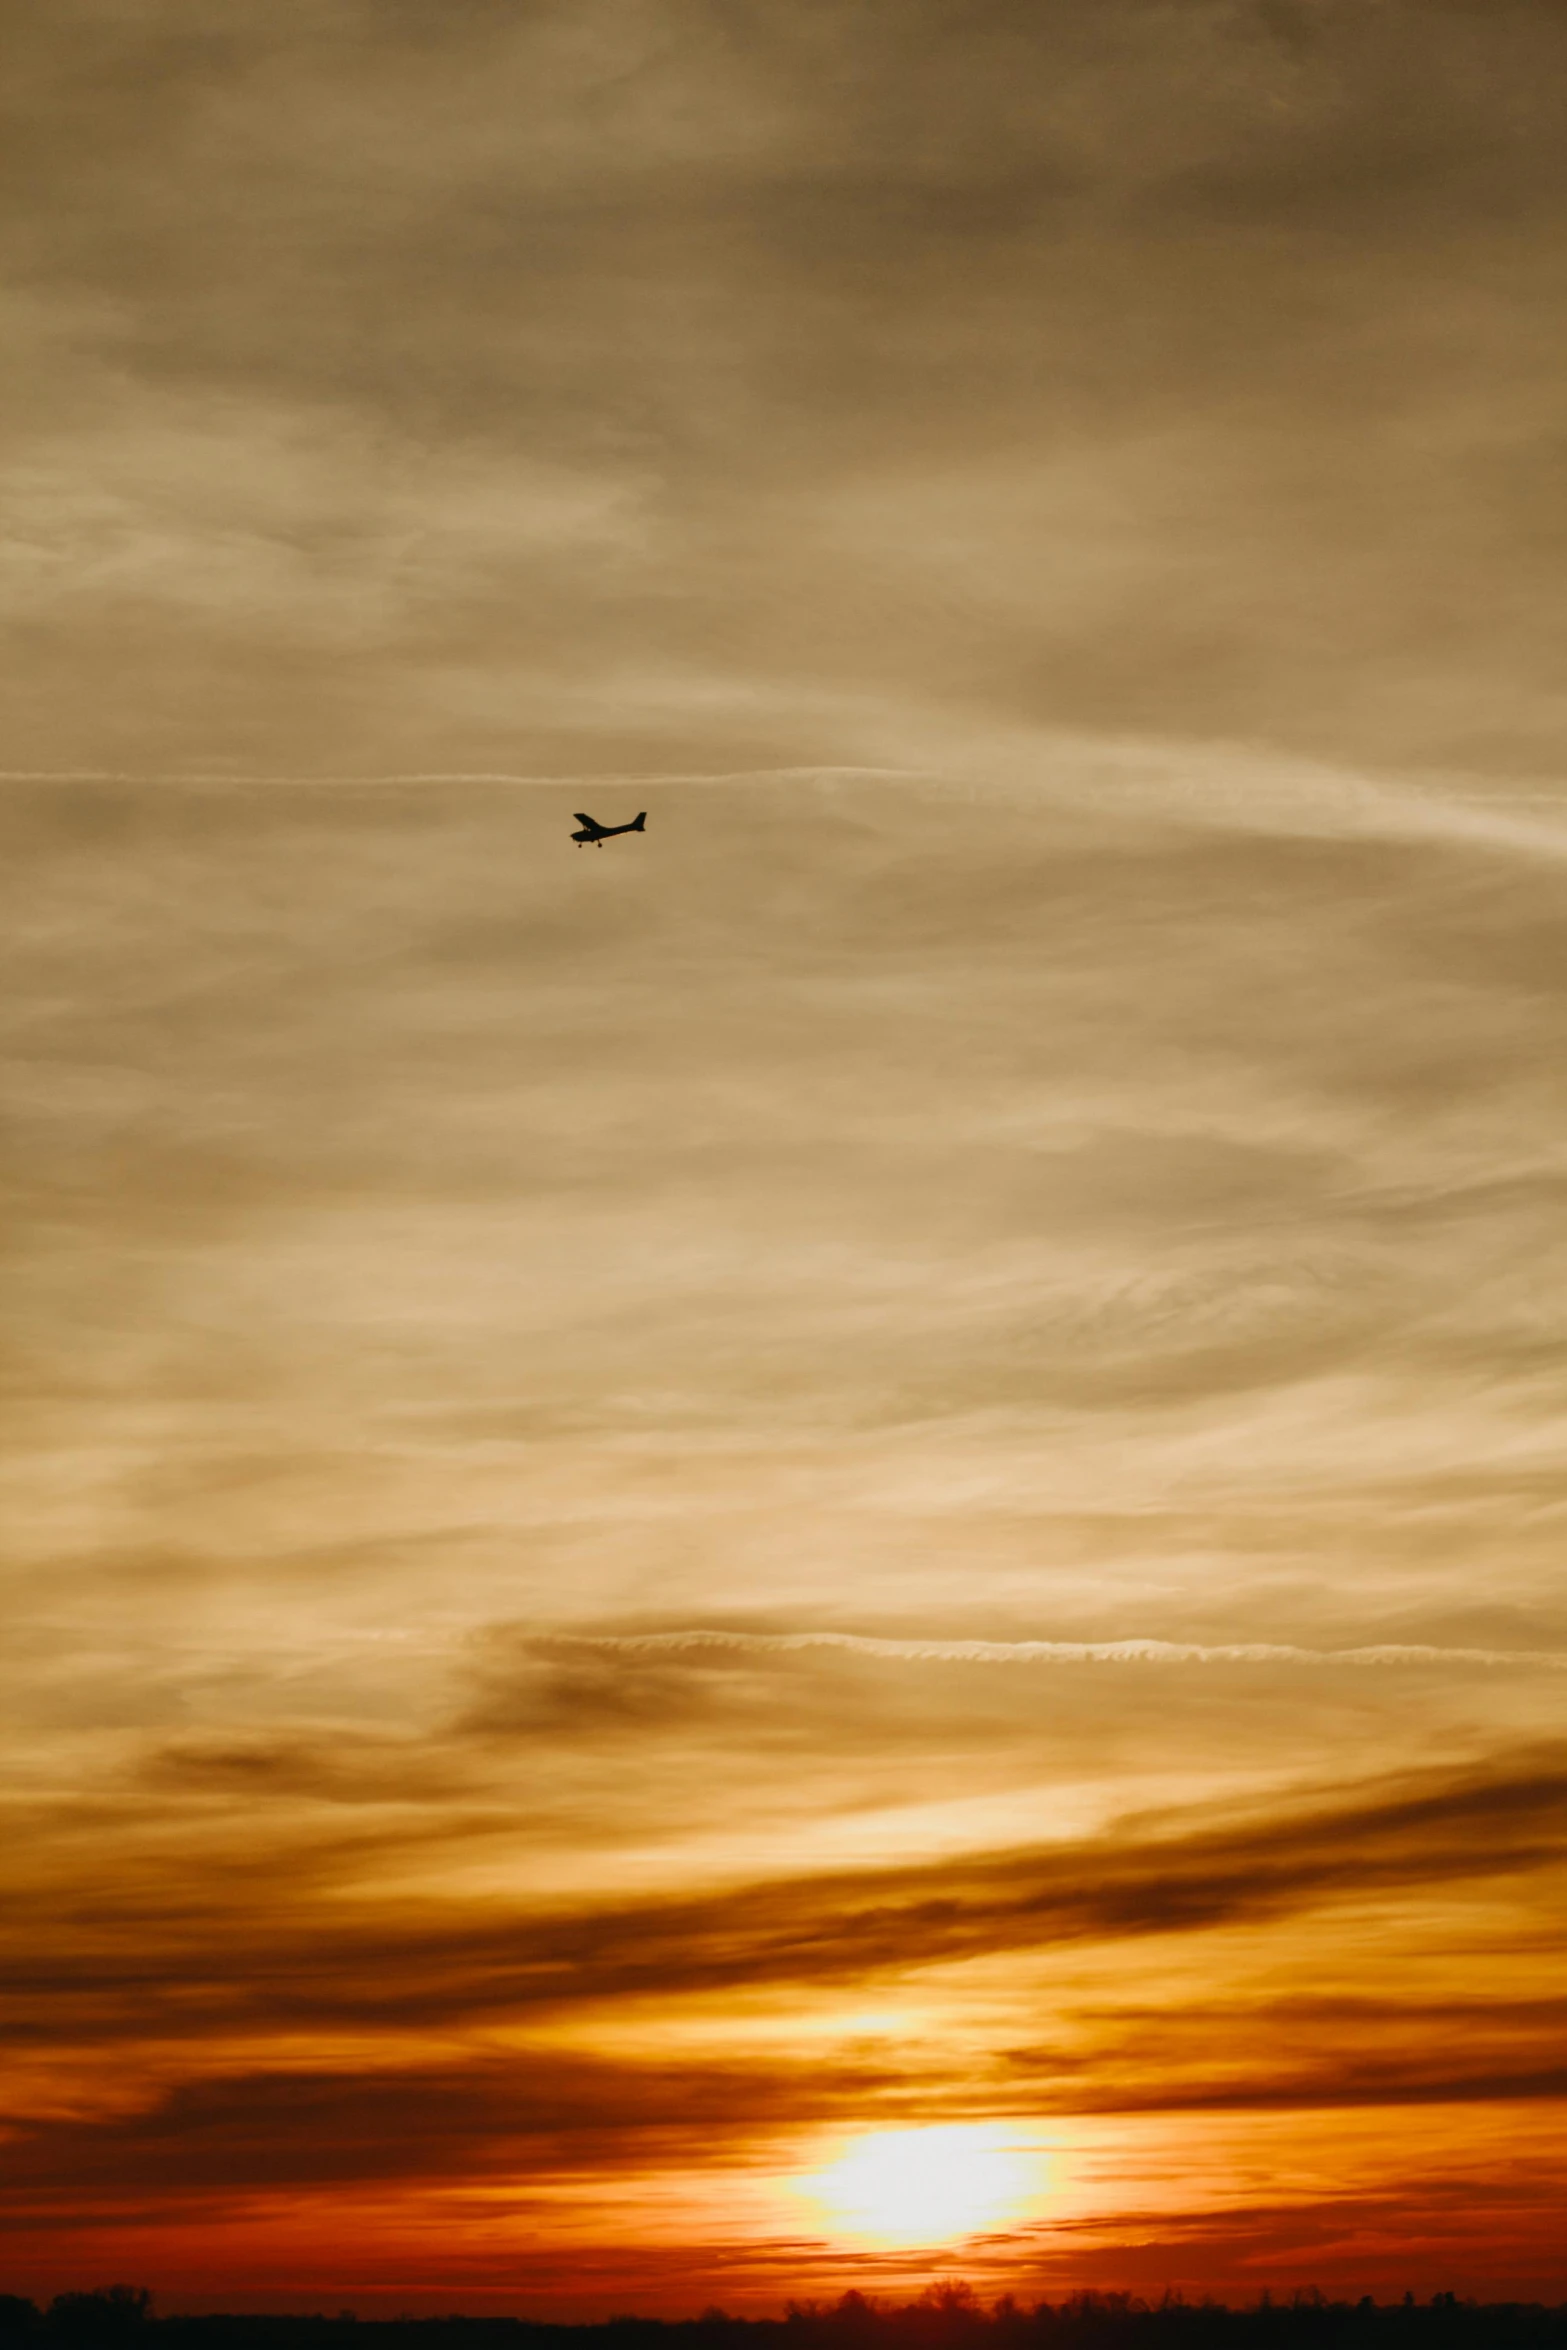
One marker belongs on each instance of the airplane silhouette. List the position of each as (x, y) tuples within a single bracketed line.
[(599, 833)]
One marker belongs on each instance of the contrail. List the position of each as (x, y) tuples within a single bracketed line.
[(1218, 786), (576, 780), (1025, 1652)]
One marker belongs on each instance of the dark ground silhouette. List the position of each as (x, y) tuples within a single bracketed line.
[(947, 2317)]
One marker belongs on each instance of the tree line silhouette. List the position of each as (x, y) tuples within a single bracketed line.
[(947, 2316)]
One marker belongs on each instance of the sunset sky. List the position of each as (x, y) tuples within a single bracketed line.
[(827, 1549)]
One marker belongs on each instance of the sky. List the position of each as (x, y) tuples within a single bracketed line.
[(823, 1550)]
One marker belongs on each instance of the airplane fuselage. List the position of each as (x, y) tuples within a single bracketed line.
[(598, 834)]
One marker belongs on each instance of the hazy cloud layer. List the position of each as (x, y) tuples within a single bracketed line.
[(894, 1454), (571, 374), (911, 1320)]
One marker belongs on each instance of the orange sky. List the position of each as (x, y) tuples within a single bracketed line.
[(828, 1549)]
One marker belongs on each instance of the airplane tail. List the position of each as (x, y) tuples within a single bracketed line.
[(638, 823)]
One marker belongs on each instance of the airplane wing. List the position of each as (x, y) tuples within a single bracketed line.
[(587, 820)]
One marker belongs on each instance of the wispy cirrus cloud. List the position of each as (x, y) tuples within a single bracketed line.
[(937, 1398), (310, 1959)]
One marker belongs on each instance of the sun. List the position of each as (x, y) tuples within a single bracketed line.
[(926, 2186)]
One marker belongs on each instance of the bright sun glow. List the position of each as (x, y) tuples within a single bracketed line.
[(926, 2186)]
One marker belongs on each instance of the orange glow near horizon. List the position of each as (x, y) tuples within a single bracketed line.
[(927, 2186)]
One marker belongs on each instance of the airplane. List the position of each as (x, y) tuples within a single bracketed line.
[(598, 834)]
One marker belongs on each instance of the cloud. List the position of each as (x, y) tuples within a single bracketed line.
[(200, 2133), (944, 1383), (1306, 2049), (145, 1957), (1124, 370), (490, 2119)]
